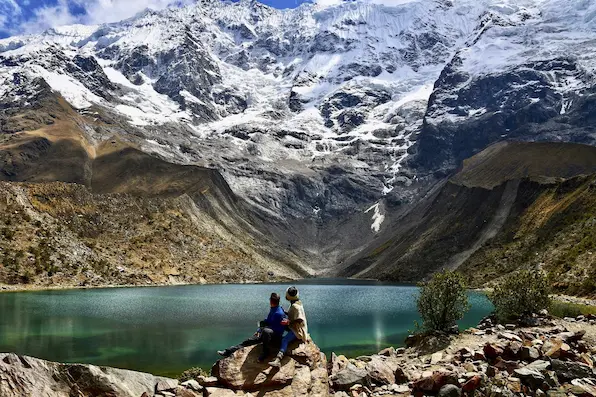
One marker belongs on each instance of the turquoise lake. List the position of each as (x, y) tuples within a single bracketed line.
[(165, 330)]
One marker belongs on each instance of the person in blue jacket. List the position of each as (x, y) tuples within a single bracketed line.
[(269, 333)]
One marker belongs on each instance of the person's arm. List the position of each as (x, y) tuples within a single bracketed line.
[(285, 321)]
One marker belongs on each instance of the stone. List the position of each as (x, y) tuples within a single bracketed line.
[(469, 367), (513, 350), (509, 336), (192, 384), (379, 372), (530, 377), (586, 387), (492, 351), (491, 371), (569, 370), (472, 384), (400, 351), (207, 381), (219, 392), (506, 365), (388, 352), (28, 376), (436, 358), (348, 377), (529, 353), (164, 384), (399, 388), (242, 371), (449, 391), (510, 327), (539, 365), (586, 359), (514, 384), (552, 348), (338, 363), (434, 381), (182, 392)]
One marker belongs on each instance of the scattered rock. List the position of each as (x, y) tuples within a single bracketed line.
[(388, 352), (192, 384), (348, 377), (450, 391), (530, 377), (569, 370)]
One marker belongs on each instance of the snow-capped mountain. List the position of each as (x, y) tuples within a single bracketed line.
[(320, 116)]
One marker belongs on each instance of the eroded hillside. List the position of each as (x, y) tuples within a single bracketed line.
[(513, 205), (60, 234)]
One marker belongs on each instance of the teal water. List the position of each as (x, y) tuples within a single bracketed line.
[(165, 330)]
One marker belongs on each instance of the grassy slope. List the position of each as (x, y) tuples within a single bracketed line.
[(124, 217), (552, 227), (551, 222)]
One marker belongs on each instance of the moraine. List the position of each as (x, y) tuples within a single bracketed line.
[(165, 330)]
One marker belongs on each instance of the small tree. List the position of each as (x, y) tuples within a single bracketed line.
[(521, 294), (443, 301)]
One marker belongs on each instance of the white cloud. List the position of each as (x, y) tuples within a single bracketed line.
[(100, 11), (97, 12), (48, 17)]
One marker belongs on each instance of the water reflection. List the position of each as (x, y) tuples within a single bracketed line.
[(168, 329)]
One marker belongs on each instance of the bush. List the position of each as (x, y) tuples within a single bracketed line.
[(443, 301), (521, 294), (192, 373)]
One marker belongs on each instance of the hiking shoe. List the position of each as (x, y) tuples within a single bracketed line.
[(277, 362)]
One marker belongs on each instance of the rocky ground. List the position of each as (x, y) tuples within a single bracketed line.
[(553, 357)]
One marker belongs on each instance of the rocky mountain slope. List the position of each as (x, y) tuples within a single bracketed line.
[(119, 215), (329, 122), (512, 205)]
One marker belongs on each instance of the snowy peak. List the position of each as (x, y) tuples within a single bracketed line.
[(319, 113)]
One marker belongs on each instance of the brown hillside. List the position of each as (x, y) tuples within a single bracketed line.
[(487, 224)]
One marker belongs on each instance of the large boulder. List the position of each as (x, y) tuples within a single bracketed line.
[(381, 371), (350, 376), (302, 373), (28, 376)]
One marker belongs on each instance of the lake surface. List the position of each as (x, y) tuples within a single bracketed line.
[(165, 330)]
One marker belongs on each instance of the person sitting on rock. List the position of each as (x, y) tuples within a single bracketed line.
[(297, 329), (269, 333)]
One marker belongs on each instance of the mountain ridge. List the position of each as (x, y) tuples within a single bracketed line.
[(330, 122)]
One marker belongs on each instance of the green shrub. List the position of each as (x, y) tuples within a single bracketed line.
[(520, 294), (568, 309), (192, 373), (442, 301)]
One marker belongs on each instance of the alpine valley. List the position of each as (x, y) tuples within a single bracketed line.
[(231, 141)]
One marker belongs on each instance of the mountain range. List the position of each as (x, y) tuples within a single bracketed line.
[(316, 136)]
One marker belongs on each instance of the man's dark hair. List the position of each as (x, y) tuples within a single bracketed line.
[(274, 297)]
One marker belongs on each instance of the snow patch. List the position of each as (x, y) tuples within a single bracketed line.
[(377, 217)]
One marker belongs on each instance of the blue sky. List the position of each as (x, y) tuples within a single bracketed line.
[(33, 16)]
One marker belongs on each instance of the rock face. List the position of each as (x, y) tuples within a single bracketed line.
[(303, 372), (27, 376)]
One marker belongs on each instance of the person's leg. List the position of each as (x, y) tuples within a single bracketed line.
[(267, 339), (286, 340), (253, 340)]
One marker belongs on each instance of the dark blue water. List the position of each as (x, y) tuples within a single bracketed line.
[(165, 330)]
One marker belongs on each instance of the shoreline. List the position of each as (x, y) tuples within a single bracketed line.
[(5, 288)]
